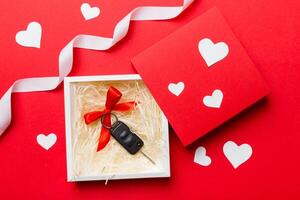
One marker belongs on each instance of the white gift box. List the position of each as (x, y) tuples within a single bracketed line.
[(114, 162)]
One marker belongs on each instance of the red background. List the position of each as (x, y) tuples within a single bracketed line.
[(269, 31)]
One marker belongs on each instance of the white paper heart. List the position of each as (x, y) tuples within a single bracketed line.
[(237, 155), (215, 100), (176, 88), (31, 37), (46, 141), (211, 52), (201, 158), (89, 12)]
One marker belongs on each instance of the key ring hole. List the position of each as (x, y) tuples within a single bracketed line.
[(112, 114)]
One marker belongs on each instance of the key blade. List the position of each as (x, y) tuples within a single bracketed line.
[(150, 159)]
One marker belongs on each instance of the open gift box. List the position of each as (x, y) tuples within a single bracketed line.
[(84, 162), (200, 76)]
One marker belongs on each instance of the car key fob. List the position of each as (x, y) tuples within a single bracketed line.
[(129, 140)]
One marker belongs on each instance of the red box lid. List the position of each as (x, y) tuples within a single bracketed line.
[(201, 76)]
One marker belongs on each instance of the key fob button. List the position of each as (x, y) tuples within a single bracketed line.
[(130, 141), (123, 134)]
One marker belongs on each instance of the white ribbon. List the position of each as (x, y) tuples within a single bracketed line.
[(85, 42)]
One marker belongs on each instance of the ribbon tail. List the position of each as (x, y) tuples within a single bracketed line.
[(103, 139)]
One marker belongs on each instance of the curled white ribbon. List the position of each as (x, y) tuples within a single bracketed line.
[(85, 42)]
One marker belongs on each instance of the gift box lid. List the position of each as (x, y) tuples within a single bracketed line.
[(201, 76)]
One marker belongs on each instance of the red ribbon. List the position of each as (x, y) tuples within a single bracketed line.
[(112, 98)]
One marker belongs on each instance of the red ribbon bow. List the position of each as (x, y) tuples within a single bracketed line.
[(112, 98)]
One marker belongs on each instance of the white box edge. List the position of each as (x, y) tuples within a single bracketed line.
[(68, 129)]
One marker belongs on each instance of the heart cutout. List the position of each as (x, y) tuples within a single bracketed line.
[(237, 155), (212, 53), (89, 12), (215, 100), (46, 141), (201, 158), (31, 37), (176, 88)]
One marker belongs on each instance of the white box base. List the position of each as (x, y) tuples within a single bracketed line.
[(163, 171)]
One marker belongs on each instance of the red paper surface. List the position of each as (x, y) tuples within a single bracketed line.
[(268, 30), (177, 59)]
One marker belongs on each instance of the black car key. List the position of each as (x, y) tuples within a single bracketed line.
[(129, 140), (124, 136)]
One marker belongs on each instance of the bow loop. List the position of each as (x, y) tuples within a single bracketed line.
[(112, 98)]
